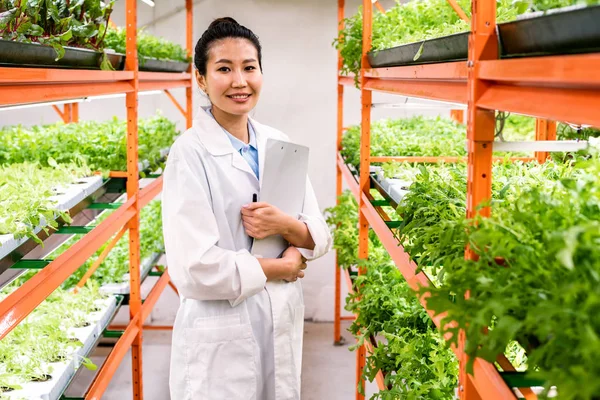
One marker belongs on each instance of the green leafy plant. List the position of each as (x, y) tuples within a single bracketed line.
[(99, 145), (56, 23), (419, 20), (409, 351), (28, 352), (26, 192), (148, 46), (116, 264), (416, 136)]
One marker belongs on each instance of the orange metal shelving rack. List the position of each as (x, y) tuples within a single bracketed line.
[(558, 88), (35, 85)]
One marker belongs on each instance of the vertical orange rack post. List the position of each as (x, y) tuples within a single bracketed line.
[(41, 85), (337, 334), (534, 86)]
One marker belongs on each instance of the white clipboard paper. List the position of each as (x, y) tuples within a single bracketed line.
[(284, 186)]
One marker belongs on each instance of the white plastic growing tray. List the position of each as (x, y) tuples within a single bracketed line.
[(123, 287), (68, 197), (63, 372), (142, 165)]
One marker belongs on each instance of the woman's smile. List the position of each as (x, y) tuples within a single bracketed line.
[(239, 97)]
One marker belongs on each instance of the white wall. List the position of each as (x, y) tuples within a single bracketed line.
[(299, 94)]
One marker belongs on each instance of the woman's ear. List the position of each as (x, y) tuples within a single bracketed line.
[(201, 80)]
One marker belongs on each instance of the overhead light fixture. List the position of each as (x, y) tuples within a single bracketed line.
[(50, 103), (79, 100), (149, 2)]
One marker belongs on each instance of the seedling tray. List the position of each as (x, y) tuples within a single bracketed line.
[(123, 288), (35, 55), (154, 65), (63, 372), (563, 31), (444, 49), (67, 197)]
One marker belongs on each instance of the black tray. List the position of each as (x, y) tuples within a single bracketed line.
[(448, 48), (153, 65), (562, 32), (557, 32), (35, 55)]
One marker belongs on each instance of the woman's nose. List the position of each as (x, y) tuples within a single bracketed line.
[(239, 80)]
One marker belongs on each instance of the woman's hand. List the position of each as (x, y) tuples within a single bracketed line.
[(296, 264), (262, 220)]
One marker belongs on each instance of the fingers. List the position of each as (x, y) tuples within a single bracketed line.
[(303, 266), (300, 274), (254, 206)]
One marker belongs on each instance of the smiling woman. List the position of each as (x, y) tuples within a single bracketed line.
[(238, 331)]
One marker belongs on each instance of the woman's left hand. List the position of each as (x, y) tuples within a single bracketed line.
[(262, 220)]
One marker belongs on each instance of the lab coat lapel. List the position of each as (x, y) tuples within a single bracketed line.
[(261, 143), (216, 141)]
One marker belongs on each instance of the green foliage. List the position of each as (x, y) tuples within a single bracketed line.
[(25, 196), (148, 46), (409, 350), (99, 145), (416, 136), (116, 264), (56, 23), (545, 295), (419, 20), (46, 335)]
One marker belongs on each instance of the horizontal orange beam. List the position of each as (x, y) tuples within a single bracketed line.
[(145, 327), (145, 86), (53, 75), (452, 91), (489, 383), (379, 377), (578, 106), (15, 307), (154, 295), (164, 76), (149, 192), (418, 159), (348, 177), (114, 359), (452, 71), (37, 93), (345, 80), (348, 318), (563, 71), (117, 174)]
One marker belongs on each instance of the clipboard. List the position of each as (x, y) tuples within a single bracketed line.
[(284, 186)]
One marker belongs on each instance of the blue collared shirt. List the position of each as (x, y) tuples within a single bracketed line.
[(249, 152)]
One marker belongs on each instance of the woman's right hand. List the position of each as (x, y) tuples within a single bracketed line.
[(295, 264)]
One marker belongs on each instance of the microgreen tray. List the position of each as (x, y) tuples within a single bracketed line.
[(67, 197), (561, 31), (123, 288), (63, 372), (153, 65), (19, 54)]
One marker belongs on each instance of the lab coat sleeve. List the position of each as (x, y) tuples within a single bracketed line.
[(199, 268), (312, 217)]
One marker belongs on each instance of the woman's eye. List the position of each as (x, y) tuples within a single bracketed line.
[(250, 68), (223, 69)]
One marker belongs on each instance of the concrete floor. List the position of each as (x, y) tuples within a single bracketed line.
[(328, 372)]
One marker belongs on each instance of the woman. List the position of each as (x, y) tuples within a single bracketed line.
[(238, 331)]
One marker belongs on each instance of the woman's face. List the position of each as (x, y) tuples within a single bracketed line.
[(233, 78)]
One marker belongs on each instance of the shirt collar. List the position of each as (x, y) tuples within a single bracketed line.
[(237, 144)]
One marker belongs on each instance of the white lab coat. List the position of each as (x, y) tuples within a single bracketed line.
[(236, 336)]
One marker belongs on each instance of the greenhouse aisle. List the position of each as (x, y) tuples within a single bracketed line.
[(328, 371)]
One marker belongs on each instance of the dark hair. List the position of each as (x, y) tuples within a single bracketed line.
[(222, 28)]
